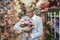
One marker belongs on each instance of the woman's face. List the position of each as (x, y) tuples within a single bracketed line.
[(29, 14)]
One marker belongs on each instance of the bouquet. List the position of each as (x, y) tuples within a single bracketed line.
[(26, 23)]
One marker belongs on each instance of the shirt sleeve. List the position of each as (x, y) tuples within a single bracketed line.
[(17, 26), (40, 29)]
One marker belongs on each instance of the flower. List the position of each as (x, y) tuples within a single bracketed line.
[(26, 23)]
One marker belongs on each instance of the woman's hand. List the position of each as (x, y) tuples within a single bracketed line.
[(27, 28)]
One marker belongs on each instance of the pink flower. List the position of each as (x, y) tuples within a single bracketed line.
[(6, 33), (11, 28), (26, 22), (30, 23)]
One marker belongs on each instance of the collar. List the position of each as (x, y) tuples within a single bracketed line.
[(34, 16)]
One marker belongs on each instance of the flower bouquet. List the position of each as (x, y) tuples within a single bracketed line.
[(26, 23)]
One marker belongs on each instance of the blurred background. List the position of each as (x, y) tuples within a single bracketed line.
[(11, 12)]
